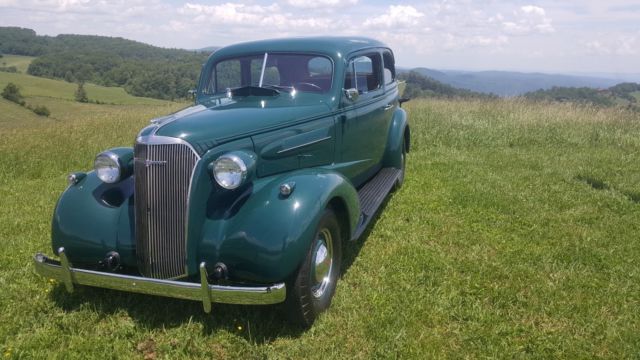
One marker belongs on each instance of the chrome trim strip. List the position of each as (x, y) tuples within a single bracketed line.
[(204, 286), (303, 145), (163, 140), (247, 295), (66, 272), (264, 65)]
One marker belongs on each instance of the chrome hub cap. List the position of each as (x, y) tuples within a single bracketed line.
[(322, 263)]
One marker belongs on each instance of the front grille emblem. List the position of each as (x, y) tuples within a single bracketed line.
[(148, 163)]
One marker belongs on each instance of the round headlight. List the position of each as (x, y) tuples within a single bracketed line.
[(107, 167), (230, 171)]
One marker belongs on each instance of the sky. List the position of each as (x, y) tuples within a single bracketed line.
[(578, 37)]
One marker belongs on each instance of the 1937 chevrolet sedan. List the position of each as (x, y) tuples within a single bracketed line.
[(248, 196)]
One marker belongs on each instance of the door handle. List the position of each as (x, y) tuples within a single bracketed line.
[(387, 107)]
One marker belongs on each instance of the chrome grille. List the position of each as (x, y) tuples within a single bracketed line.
[(162, 178)]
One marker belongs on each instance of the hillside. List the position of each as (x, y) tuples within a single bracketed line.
[(505, 83), (141, 69), (58, 97)]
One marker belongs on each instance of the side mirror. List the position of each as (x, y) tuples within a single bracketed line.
[(403, 100), (352, 94), (192, 94)]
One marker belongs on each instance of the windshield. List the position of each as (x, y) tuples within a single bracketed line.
[(283, 72)]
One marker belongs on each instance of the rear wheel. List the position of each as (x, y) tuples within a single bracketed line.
[(311, 290), (403, 165)]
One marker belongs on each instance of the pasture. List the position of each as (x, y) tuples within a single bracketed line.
[(20, 62), (515, 235)]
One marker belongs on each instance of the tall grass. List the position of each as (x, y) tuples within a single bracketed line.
[(515, 235)]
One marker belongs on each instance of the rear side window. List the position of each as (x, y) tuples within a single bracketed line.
[(364, 73), (389, 67)]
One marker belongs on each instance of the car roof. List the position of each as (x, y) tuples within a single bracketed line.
[(331, 45)]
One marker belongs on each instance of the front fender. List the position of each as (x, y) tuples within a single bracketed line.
[(92, 218), (263, 236), (395, 139)]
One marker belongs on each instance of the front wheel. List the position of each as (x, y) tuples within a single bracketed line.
[(311, 290)]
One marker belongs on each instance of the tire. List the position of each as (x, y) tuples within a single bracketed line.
[(307, 296), (403, 167)]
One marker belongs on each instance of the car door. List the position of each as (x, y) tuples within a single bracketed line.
[(364, 121)]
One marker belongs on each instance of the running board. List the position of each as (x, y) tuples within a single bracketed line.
[(372, 195)]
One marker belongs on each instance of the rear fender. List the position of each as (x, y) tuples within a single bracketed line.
[(397, 132)]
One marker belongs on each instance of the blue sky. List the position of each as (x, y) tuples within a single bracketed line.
[(546, 36)]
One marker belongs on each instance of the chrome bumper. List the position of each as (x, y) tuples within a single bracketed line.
[(64, 272)]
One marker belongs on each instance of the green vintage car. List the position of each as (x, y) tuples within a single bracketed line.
[(248, 196)]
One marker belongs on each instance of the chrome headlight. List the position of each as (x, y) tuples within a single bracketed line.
[(230, 171), (107, 166)]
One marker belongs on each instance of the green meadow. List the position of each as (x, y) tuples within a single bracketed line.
[(20, 62), (515, 235)]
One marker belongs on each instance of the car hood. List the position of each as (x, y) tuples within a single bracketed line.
[(223, 119)]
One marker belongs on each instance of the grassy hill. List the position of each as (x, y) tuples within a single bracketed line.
[(42, 87), (58, 97), (514, 236), (21, 63)]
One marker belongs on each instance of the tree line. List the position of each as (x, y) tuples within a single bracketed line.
[(625, 94)]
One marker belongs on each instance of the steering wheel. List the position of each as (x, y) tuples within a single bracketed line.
[(308, 85)]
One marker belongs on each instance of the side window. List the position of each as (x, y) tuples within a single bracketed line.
[(227, 75), (389, 67), (319, 67), (364, 73)]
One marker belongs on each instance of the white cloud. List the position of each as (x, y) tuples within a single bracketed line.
[(527, 20), (620, 45), (306, 4), (535, 10), (252, 16), (396, 16)]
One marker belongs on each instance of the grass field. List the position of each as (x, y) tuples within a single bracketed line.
[(514, 236), (41, 87), (20, 62)]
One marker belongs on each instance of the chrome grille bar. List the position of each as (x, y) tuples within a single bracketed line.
[(163, 170)]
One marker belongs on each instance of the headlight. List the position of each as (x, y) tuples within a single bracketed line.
[(107, 166), (230, 171)]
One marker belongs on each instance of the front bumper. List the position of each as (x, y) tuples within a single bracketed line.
[(208, 294)]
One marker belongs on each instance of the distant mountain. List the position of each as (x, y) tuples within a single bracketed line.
[(507, 83), (419, 85), (208, 49)]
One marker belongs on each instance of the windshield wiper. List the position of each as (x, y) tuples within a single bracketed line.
[(278, 87), (253, 90)]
